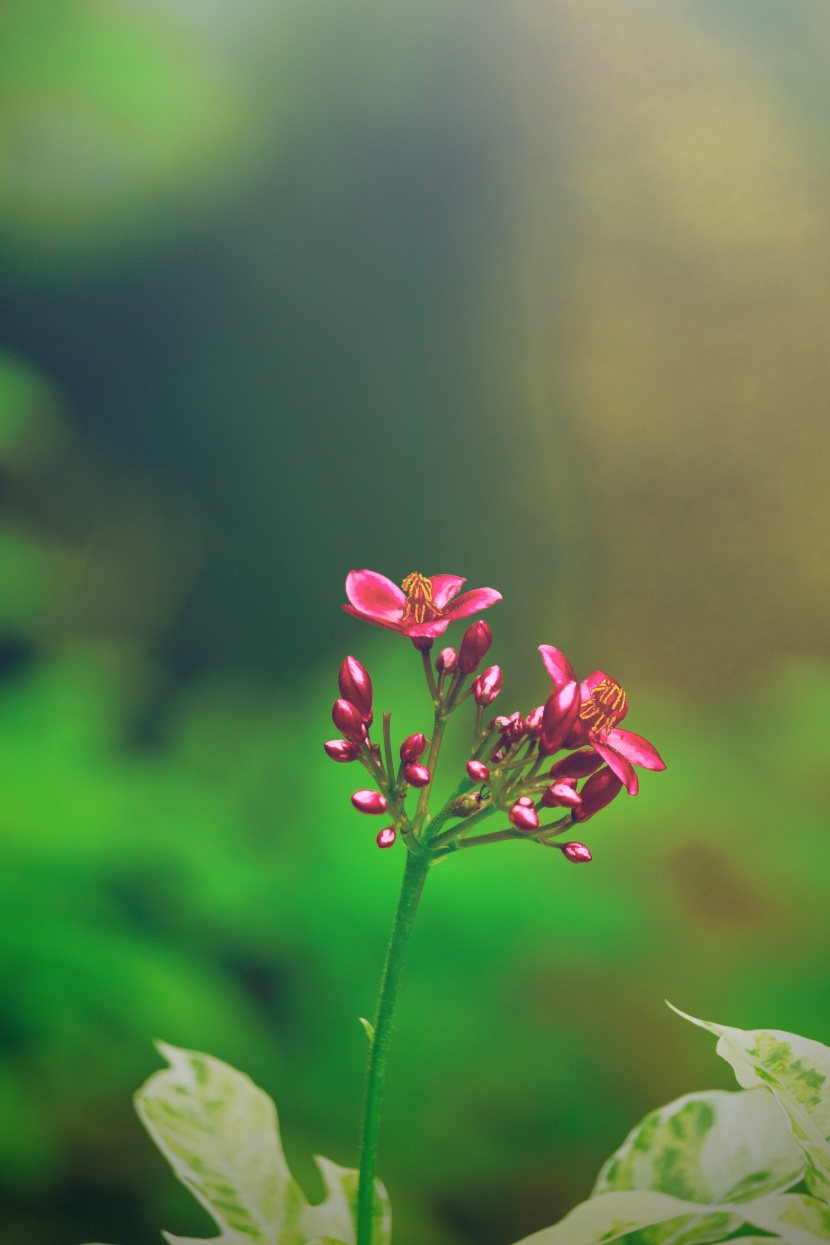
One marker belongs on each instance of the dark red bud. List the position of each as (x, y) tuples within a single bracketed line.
[(412, 747), (525, 801), (477, 639), (356, 687), (341, 750), (533, 721), (423, 643), (487, 686), (369, 802), (348, 721), (386, 837), (524, 818), (600, 789), (416, 775), (562, 795), (560, 713), (478, 771), (577, 765), (498, 755), (446, 661), (576, 852)]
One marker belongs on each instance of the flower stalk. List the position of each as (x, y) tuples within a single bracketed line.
[(510, 771)]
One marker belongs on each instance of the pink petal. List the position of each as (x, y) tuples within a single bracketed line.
[(557, 666), (444, 588), (370, 618), (375, 597), (437, 627), (621, 767), (472, 602), (636, 749)]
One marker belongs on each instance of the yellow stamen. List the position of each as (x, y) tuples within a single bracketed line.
[(604, 707), (419, 606)]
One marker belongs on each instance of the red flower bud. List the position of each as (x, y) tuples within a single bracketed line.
[(533, 721), (487, 686), (348, 721), (446, 661), (526, 801), (416, 775), (341, 750), (562, 794), (524, 818), (356, 687), (478, 771), (423, 643), (477, 639), (386, 837), (599, 790), (369, 802), (576, 852), (412, 747), (560, 713), (576, 765)]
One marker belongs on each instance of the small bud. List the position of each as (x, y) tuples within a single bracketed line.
[(533, 721), (416, 775), (600, 789), (348, 721), (412, 747), (498, 755), (511, 728), (477, 639), (562, 794), (487, 686), (524, 818), (478, 771), (341, 750), (446, 661), (560, 713), (386, 837), (576, 765), (423, 643), (356, 687), (369, 802), (525, 801), (576, 852)]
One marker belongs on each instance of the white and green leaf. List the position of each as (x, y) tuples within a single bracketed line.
[(609, 1216), (797, 1218), (220, 1134), (710, 1148), (797, 1072)]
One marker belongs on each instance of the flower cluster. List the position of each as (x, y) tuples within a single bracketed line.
[(509, 770)]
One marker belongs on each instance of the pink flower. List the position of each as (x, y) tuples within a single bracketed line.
[(603, 704), (422, 606)]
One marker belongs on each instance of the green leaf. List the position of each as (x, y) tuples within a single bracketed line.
[(709, 1147), (796, 1217), (609, 1216), (797, 1071), (220, 1134)]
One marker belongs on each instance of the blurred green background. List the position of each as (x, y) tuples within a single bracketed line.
[(531, 292)]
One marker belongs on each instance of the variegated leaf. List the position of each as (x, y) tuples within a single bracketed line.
[(609, 1216), (797, 1218), (220, 1134), (797, 1071)]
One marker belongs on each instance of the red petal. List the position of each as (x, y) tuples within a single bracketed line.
[(370, 618), (375, 597), (472, 602), (557, 665), (444, 588), (621, 767), (437, 627), (636, 749)]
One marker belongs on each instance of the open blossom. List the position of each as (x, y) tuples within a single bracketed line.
[(602, 705), (422, 606)]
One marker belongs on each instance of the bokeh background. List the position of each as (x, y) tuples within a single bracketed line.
[(533, 291)]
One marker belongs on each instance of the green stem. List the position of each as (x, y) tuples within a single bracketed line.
[(413, 884)]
